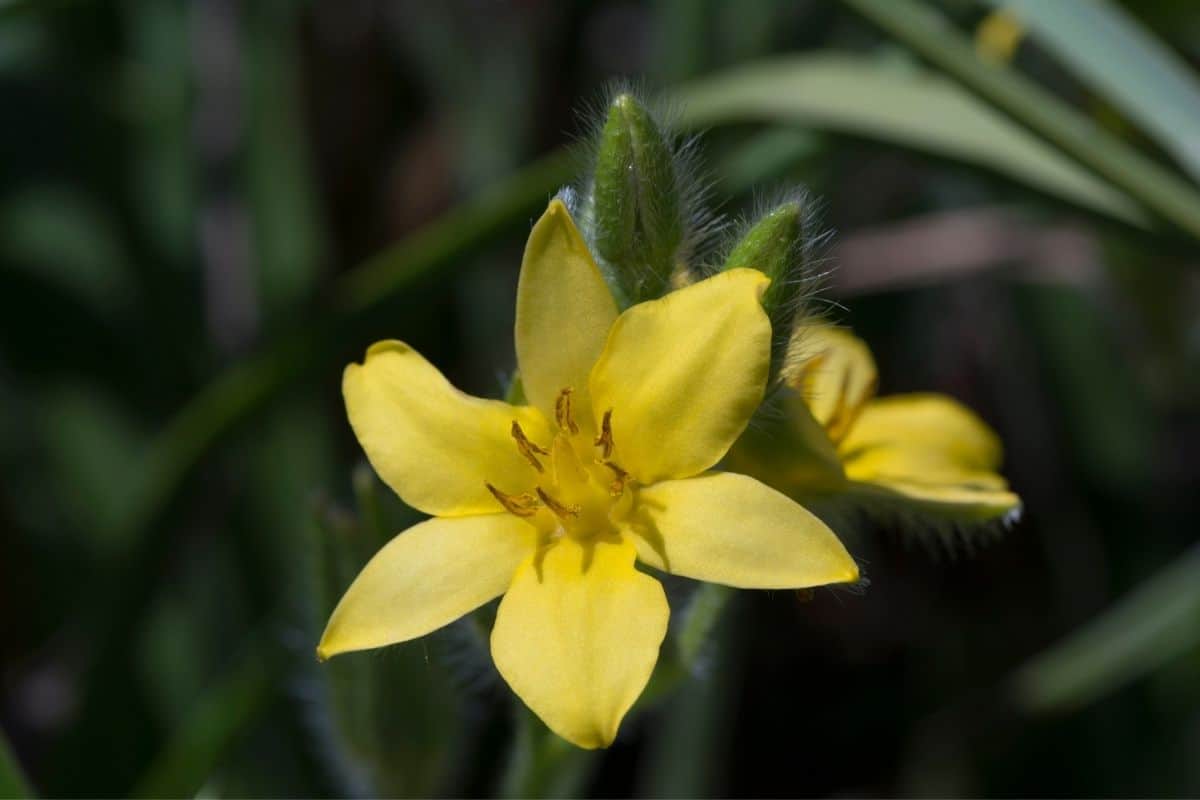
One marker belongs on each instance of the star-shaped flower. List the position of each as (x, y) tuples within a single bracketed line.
[(551, 504)]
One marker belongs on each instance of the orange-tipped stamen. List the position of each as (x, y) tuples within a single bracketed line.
[(528, 448), (562, 511), (562, 411), (620, 476), (605, 440), (522, 505)]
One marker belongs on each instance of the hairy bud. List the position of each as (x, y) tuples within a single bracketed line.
[(778, 244), (637, 214)]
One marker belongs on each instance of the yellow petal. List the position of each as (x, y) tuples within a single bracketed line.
[(434, 445), (683, 374), (731, 529), (427, 577), (577, 636), (930, 450), (836, 375), (564, 311)]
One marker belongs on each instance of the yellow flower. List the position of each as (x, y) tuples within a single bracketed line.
[(924, 452), (550, 504)]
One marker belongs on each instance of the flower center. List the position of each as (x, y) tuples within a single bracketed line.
[(579, 488)]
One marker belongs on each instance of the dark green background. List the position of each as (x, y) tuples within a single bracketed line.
[(185, 189)]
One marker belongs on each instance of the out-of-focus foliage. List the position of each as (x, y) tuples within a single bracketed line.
[(209, 208)]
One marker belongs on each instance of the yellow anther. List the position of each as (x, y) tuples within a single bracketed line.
[(562, 411), (605, 440), (528, 448), (617, 487), (522, 505), (561, 510)]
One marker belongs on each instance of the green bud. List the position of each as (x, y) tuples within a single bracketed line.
[(776, 245), (637, 212)]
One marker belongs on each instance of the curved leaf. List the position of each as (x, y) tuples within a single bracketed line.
[(912, 108), (1156, 622), (1110, 51)]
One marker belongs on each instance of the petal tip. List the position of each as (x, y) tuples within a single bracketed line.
[(382, 346), (385, 345), (593, 740)]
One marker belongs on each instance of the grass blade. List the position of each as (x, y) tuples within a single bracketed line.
[(1111, 52), (1157, 622), (12, 781), (934, 38), (861, 96)]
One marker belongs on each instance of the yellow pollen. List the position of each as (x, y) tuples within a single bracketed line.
[(605, 440), (522, 505), (563, 512), (527, 447), (562, 411)]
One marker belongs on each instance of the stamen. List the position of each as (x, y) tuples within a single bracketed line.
[(617, 487), (522, 505), (527, 447), (562, 411), (562, 511), (605, 439)]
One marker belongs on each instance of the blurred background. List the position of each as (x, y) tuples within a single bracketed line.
[(207, 208)]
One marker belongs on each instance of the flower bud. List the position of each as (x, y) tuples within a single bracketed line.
[(777, 245), (637, 214)]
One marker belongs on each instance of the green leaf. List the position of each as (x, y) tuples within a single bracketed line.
[(912, 108), (932, 36), (287, 230), (63, 236), (94, 448), (1108, 50), (1157, 622), (12, 781)]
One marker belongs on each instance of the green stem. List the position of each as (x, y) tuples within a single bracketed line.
[(703, 614), (934, 38), (680, 657), (230, 401), (541, 764)]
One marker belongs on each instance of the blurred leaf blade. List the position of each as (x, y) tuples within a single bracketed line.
[(1153, 624), (933, 37), (437, 245), (1111, 52), (245, 387), (221, 715), (13, 783), (862, 96)]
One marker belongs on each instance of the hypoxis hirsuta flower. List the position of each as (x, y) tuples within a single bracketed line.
[(921, 453), (550, 504)]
